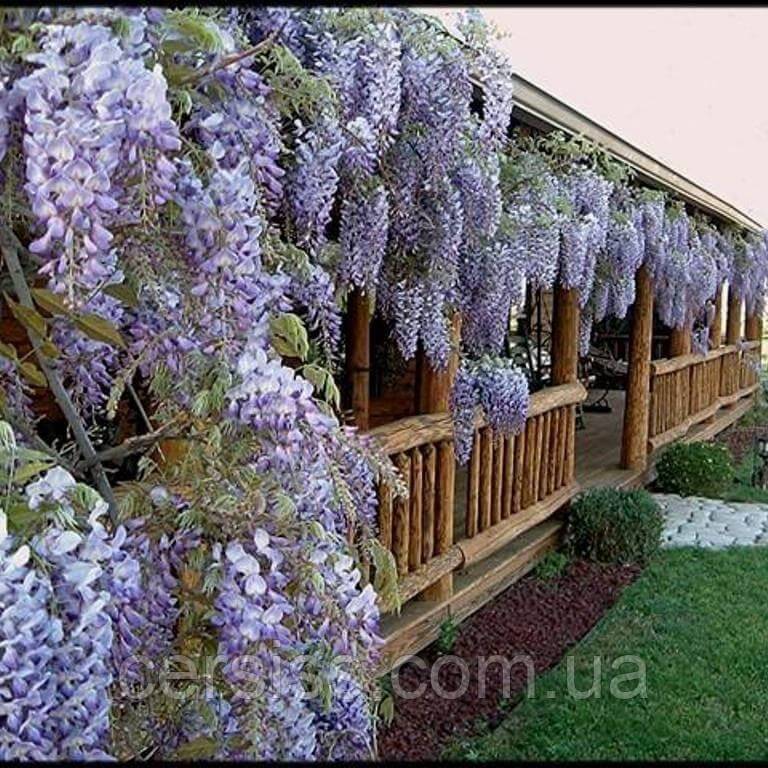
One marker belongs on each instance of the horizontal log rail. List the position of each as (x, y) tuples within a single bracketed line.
[(470, 551), (671, 364), (690, 389), (500, 534), (413, 431)]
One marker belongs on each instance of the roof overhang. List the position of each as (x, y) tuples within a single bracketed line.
[(541, 110)]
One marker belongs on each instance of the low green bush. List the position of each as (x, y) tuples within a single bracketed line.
[(695, 469), (608, 525), (551, 566)]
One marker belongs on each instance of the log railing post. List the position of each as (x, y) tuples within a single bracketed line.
[(753, 332), (434, 396), (733, 322), (716, 329), (752, 327), (359, 356), (634, 440), (565, 361), (680, 341)]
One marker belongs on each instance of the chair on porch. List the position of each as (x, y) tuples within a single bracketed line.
[(602, 371)]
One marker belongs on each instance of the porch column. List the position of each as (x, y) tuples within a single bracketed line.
[(359, 355), (565, 336), (634, 438), (434, 396), (752, 327), (565, 361), (733, 322), (716, 329), (680, 341), (753, 331)]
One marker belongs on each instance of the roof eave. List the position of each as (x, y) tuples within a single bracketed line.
[(536, 103)]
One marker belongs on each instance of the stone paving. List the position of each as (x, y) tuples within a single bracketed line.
[(711, 523)]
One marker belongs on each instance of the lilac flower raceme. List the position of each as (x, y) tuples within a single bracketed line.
[(499, 388)]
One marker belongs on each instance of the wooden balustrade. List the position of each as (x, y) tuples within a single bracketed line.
[(514, 482), (688, 389), (508, 474), (420, 447)]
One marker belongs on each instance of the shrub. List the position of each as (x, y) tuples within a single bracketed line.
[(551, 566), (614, 526), (695, 469), (449, 630)]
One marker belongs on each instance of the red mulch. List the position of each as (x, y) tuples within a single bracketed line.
[(539, 618), (740, 440)]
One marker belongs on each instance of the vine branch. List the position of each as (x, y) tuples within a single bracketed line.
[(136, 444), (10, 248)]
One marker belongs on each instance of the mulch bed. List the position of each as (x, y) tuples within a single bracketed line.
[(539, 618), (740, 440)]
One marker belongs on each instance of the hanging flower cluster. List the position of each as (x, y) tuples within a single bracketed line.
[(62, 576), (499, 388)]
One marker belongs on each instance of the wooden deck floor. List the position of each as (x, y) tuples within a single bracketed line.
[(598, 447)]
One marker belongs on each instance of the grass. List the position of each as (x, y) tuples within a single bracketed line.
[(698, 620)]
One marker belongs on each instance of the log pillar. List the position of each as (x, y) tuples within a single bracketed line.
[(634, 438), (434, 393), (434, 396), (753, 331), (733, 321), (680, 341), (752, 327), (716, 329), (565, 360), (565, 336), (359, 356)]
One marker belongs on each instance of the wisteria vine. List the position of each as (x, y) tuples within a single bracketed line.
[(194, 193)]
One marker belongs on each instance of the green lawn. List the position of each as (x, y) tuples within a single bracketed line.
[(699, 620)]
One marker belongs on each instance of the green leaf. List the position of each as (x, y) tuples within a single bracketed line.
[(28, 317), (289, 336), (386, 578), (7, 351), (50, 302), (323, 382), (49, 349), (20, 516), (30, 454), (99, 329), (27, 471), (387, 709), (197, 749), (33, 374), (123, 292)]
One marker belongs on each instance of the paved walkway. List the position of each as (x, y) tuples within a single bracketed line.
[(713, 523)]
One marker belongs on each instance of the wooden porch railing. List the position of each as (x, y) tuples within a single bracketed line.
[(688, 389), (514, 483)]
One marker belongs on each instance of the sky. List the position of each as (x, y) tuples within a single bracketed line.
[(686, 85)]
